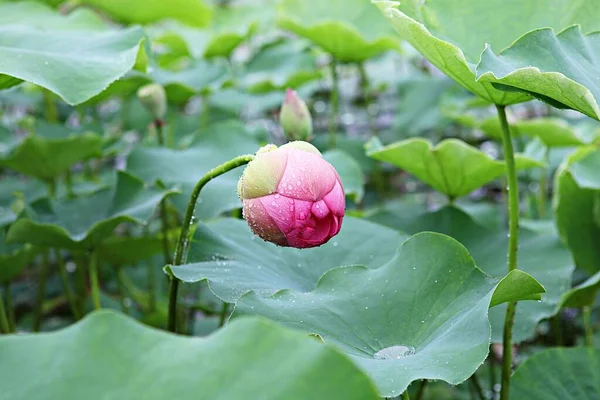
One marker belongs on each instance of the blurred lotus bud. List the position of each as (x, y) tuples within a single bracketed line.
[(291, 196), (295, 118), (154, 99)]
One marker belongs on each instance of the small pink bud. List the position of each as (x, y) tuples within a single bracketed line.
[(295, 118), (292, 196)]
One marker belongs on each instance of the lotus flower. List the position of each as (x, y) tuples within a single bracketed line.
[(292, 196)]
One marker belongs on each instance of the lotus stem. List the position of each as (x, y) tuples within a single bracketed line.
[(41, 291), (51, 111), (10, 310), (188, 219), (405, 395), (477, 386), (365, 85), (334, 104), (587, 324), (223, 315), (542, 189), (421, 391), (513, 244), (4, 324), (64, 278), (94, 280)]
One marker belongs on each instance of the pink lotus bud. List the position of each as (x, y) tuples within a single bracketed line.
[(295, 118), (292, 196)]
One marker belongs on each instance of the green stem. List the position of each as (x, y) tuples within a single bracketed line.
[(421, 391), (122, 289), (365, 86), (184, 236), (94, 280), (492, 368), (62, 271), (52, 188), (164, 226), (334, 104), (513, 244), (405, 395), (41, 291), (69, 183), (160, 132), (477, 386), (10, 309), (587, 324), (542, 193), (151, 286), (223, 315), (4, 324), (51, 111), (80, 281)]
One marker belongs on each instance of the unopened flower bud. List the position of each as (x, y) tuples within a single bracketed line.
[(154, 99), (292, 197), (295, 118)]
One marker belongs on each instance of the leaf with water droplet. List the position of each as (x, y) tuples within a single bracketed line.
[(444, 321)]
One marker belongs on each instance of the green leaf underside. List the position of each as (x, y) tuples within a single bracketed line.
[(452, 34), (540, 255), (553, 132), (560, 68), (75, 59), (108, 354), (184, 168), (559, 374), (451, 167), (349, 30), (576, 206), (234, 261), (82, 223), (350, 173), (422, 315), (582, 295)]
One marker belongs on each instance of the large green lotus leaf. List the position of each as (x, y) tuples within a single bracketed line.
[(74, 59), (196, 77), (280, 65), (234, 261), (82, 223), (230, 27), (349, 171), (51, 151), (558, 374), (576, 203), (184, 168), (422, 315), (540, 254), (452, 34), (350, 30), (419, 104), (39, 15), (451, 167), (107, 355), (558, 68), (190, 12)]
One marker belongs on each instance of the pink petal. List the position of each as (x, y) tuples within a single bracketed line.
[(319, 209), (336, 200), (281, 210), (261, 223), (307, 176)]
